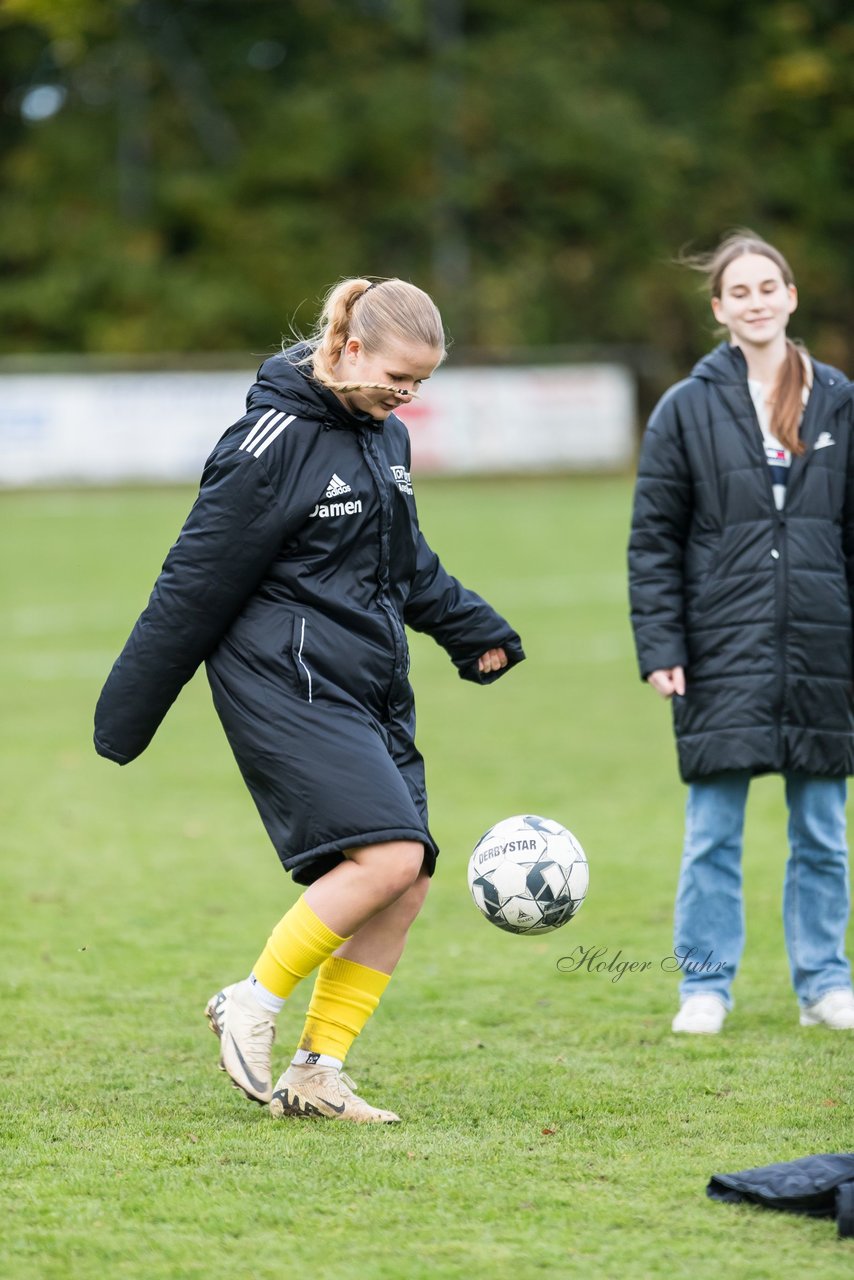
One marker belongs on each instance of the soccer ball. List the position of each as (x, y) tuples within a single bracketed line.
[(528, 874)]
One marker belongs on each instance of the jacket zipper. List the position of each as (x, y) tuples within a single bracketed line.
[(383, 595), (780, 578), (780, 588)]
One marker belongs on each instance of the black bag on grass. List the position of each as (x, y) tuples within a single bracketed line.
[(821, 1186)]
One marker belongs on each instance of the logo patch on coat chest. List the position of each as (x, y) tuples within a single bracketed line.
[(337, 487), (402, 479)]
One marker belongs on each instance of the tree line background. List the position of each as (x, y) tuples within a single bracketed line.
[(191, 176)]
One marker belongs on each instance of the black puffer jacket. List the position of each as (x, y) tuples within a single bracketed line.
[(755, 604), (293, 577)]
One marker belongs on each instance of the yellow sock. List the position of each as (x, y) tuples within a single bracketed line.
[(344, 997), (298, 944)]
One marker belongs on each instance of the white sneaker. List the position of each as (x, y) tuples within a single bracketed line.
[(700, 1015), (835, 1009), (246, 1033), (308, 1090)]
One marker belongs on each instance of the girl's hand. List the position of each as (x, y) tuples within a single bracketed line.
[(492, 660), (668, 681)]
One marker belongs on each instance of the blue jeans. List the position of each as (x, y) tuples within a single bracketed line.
[(709, 923)]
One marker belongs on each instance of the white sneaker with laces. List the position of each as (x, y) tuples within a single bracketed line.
[(700, 1015), (307, 1090), (246, 1033), (834, 1009)]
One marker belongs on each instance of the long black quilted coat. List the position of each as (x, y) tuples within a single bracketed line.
[(293, 578), (756, 604)]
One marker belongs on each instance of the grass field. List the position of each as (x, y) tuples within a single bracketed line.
[(553, 1125)]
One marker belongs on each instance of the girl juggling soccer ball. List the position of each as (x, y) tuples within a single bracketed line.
[(293, 579), (742, 591)]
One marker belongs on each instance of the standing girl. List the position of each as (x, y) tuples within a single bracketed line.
[(293, 578), (742, 581)]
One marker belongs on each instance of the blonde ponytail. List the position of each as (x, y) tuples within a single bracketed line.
[(334, 326)]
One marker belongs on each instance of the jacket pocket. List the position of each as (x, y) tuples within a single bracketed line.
[(299, 653)]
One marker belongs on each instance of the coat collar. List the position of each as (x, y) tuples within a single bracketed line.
[(726, 364), (286, 384)]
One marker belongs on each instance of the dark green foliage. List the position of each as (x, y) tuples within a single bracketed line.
[(215, 165)]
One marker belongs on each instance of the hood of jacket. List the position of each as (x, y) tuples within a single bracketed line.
[(727, 364), (281, 383)]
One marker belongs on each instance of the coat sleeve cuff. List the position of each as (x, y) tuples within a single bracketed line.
[(108, 753)]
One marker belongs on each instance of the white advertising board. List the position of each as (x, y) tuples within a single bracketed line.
[(105, 428), (108, 428), (552, 417)]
